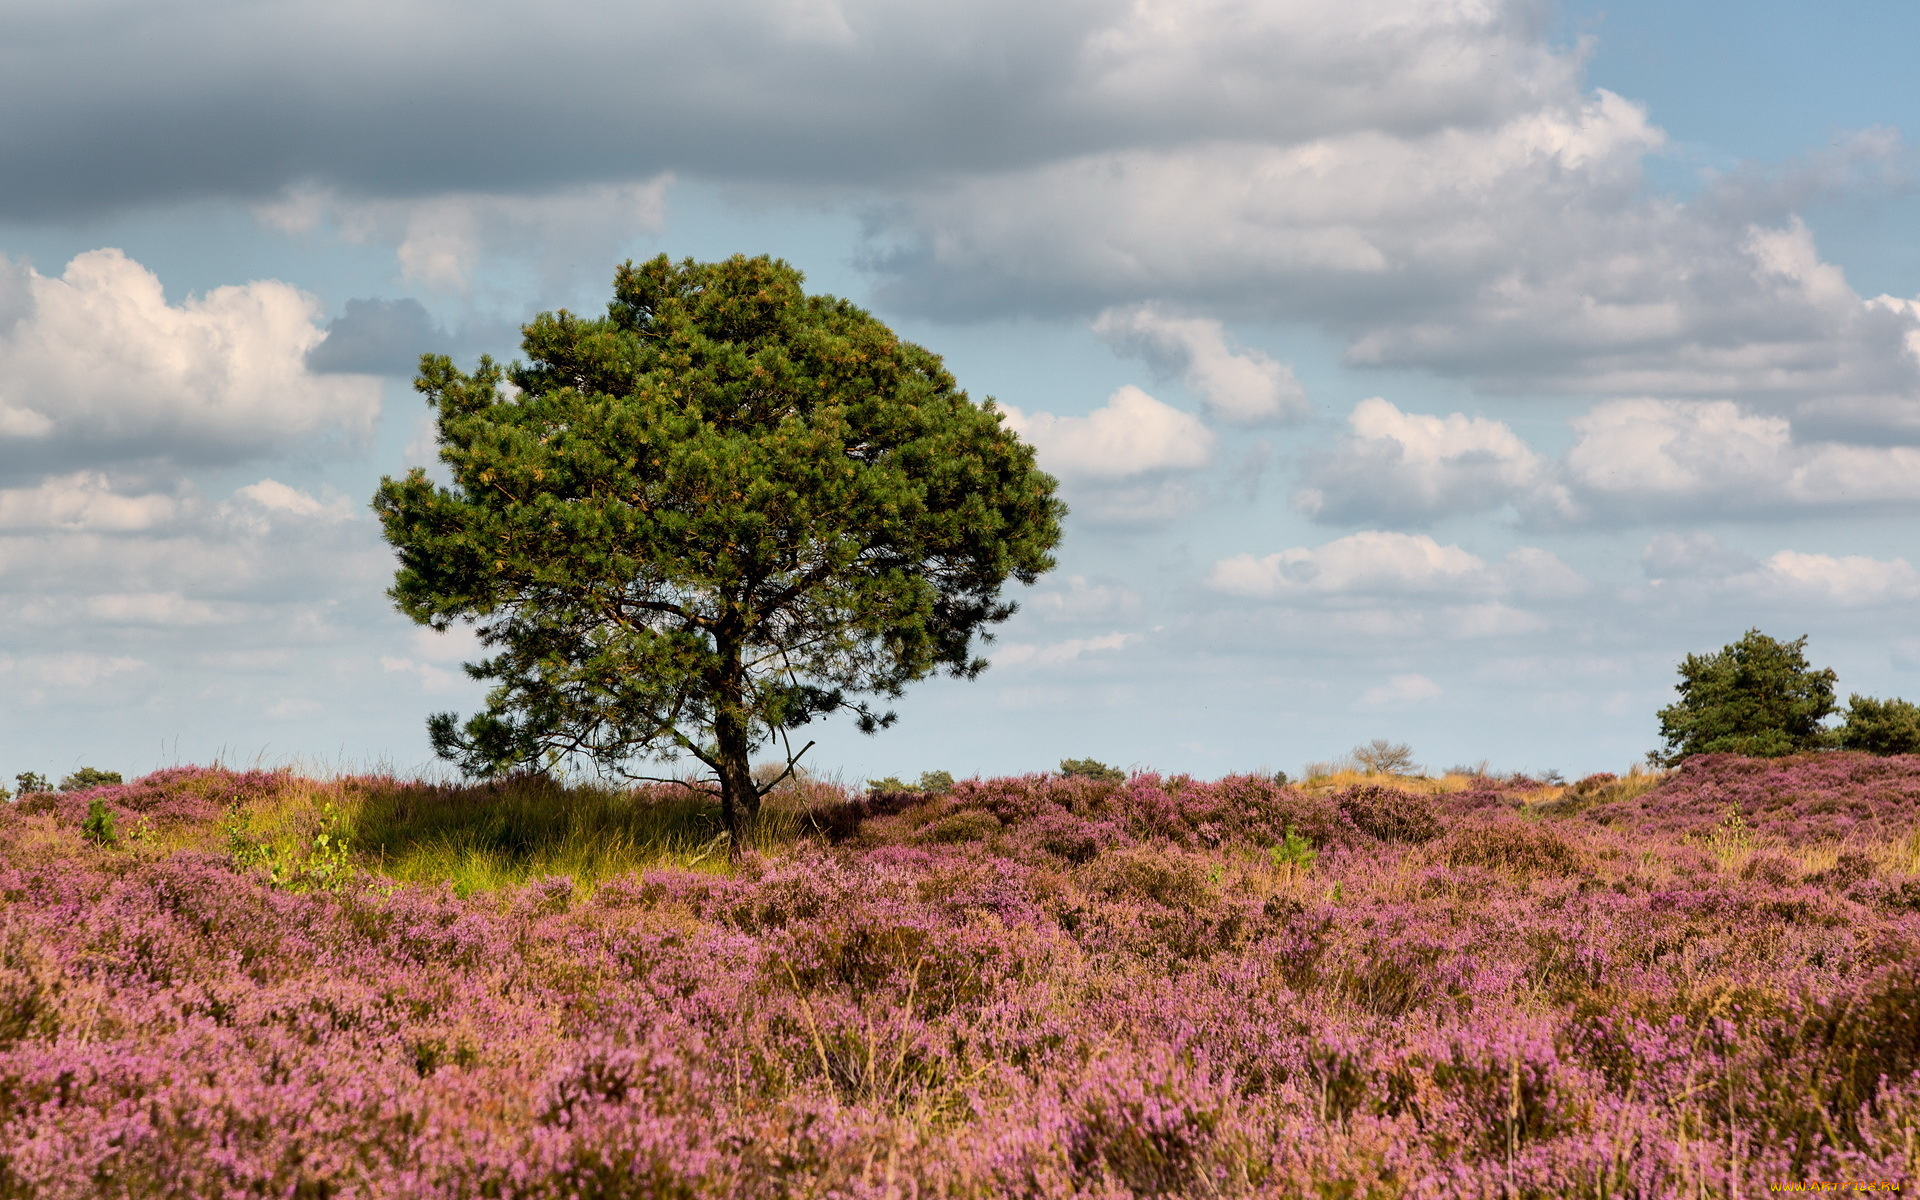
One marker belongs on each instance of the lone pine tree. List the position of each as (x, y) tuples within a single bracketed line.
[(1755, 696), (717, 513)]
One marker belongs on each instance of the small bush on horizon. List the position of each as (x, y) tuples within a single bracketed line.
[(1382, 757), (1880, 726), (932, 783), (1088, 768), (87, 778), (29, 782)]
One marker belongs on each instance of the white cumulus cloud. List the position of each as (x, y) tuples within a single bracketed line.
[(1244, 386), (1411, 468), (1699, 567), (84, 500), (1638, 459), (1664, 457), (273, 495), (1131, 434), (100, 365)]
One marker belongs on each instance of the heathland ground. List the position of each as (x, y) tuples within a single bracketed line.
[(1702, 982)]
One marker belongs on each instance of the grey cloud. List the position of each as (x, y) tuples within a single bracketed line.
[(1525, 258), (1431, 183), (140, 103), (16, 293), (1352, 229), (377, 337)]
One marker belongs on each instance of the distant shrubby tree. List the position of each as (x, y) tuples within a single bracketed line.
[(27, 782), (722, 510), (1087, 768), (933, 783), (1757, 696), (89, 777), (1382, 757), (1881, 726)]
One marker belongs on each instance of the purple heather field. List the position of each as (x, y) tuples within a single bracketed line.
[(1040, 987)]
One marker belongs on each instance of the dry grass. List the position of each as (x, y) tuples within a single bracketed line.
[(1568, 799), (1345, 777)]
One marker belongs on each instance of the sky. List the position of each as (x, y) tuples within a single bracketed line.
[(1436, 370)]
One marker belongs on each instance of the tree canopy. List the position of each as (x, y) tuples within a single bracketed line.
[(1881, 726), (722, 510), (1756, 696)]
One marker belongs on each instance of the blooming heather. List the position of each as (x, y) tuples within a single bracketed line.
[(1037, 987)]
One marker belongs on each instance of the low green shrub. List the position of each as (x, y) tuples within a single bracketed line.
[(1293, 851), (98, 828)]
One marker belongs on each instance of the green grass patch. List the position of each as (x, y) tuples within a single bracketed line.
[(480, 837)]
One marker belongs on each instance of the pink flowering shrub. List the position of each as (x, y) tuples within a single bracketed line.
[(1839, 796), (176, 796), (1035, 987)]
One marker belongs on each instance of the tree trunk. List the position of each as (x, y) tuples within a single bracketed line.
[(739, 802), (739, 798)]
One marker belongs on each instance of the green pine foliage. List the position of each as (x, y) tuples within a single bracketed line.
[(721, 511), (90, 777), (99, 825), (1881, 726), (1757, 696), (932, 783), (1087, 768), (1293, 851)]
